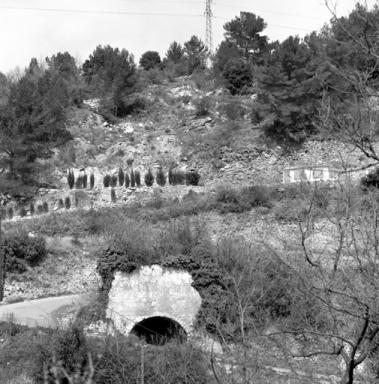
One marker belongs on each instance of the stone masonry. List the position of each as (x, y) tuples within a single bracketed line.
[(153, 291)]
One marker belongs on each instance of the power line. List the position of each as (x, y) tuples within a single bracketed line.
[(272, 12), (100, 12), (272, 25)]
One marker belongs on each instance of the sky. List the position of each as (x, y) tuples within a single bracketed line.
[(40, 28)]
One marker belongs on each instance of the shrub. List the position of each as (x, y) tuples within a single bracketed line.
[(85, 180), (192, 178), (45, 206), (66, 348), (76, 201), (114, 181), (137, 177), (203, 106), (92, 180), (127, 180), (71, 179), (23, 212), (10, 213), (60, 203), (39, 209), (149, 178), (32, 209), (67, 202), (132, 179), (113, 195), (3, 213), (233, 110), (371, 180), (21, 250), (121, 177), (160, 177), (107, 181)]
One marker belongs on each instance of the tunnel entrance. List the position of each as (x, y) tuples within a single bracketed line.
[(159, 330)]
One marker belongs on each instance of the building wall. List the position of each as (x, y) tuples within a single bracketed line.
[(311, 174), (153, 291)]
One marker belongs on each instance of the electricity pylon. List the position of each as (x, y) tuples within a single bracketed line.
[(208, 26)]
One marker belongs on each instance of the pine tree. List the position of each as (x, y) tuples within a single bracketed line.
[(132, 179), (149, 178), (92, 180), (127, 180), (67, 202), (160, 177), (121, 177), (137, 176)]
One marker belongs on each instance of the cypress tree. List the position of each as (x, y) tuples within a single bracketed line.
[(79, 182), (127, 180), (71, 179), (137, 176), (10, 213), (107, 181), (67, 202), (85, 181), (60, 203), (32, 209), (171, 177), (149, 178), (92, 180), (45, 207), (114, 181), (113, 195), (121, 177), (132, 179), (23, 212), (160, 177), (192, 178), (180, 177)]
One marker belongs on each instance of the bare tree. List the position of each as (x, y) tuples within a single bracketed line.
[(350, 110), (342, 278)]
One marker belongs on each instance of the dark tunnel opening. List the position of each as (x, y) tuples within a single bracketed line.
[(159, 330)]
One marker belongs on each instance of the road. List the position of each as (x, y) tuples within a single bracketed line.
[(41, 312)]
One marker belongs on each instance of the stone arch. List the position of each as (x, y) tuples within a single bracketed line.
[(153, 291), (158, 330)]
